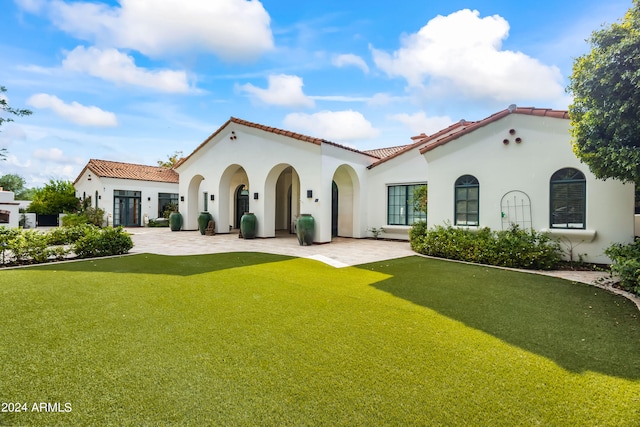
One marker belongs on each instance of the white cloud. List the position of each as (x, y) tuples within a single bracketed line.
[(33, 6), (117, 67), (282, 90), (420, 123), (231, 29), (336, 126), (11, 133), (52, 155), (350, 59), (463, 52), (340, 98), (74, 112), (381, 99)]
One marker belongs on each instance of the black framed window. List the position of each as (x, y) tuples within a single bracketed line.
[(400, 208), (568, 194), (165, 200), (467, 201)]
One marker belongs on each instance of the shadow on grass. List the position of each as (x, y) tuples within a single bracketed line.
[(579, 327), (165, 264)]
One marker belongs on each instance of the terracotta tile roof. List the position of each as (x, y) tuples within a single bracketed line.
[(381, 153), (423, 139), (109, 169), (543, 112), (277, 131)]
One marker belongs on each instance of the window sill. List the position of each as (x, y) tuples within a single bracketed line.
[(586, 236)]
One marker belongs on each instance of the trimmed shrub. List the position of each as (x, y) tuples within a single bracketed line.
[(68, 235), (31, 246), (626, 264), (88, 215), (514, 248), (28, 246), (103, 242)]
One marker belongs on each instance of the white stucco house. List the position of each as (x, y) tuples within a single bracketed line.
[(516, 166), (9, 209), (130, 194)]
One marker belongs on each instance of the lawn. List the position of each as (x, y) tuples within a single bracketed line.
[(256, 339)]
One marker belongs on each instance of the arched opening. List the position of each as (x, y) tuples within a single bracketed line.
[(233, 200), (242, 203), (345, 206), (282, 200), (334, 209), (190, 214)]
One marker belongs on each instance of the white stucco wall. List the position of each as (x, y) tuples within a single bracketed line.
[(105, 187), (271, 163), (8, 204), (527, 167), (405, 169)]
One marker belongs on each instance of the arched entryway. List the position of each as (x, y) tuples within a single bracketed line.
[(282, 199), (190, 214), (241, 202), (234, 200), (345, 203), (335, 203)]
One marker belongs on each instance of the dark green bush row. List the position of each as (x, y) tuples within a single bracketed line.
[(30, 246), (514, 248), (103, 242), (626, 264)]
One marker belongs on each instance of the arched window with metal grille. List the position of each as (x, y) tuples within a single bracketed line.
[(467, 201), (568, 194)]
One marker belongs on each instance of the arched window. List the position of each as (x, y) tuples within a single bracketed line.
[(568, 194), (467, 194)]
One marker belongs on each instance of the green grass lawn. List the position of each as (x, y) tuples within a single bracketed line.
[(256, 339)]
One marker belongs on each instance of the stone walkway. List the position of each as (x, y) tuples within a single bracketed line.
[(341, 252)]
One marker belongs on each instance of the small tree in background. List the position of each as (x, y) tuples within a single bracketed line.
[(171, 160), (16, 183)]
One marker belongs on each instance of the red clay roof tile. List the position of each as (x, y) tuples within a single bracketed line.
[(543, 112), (109, 169)]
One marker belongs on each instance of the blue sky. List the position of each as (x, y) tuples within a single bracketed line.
[(137, 80)]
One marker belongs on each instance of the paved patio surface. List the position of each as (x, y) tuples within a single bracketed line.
[(341, 252)]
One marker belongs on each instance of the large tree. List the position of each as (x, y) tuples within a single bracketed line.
[(54, 198), (5, 108), (16, 183), (605, 114)]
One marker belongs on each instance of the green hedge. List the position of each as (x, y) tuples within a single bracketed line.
[(626, 264), (31, 247), (103, 242), (514, 248)]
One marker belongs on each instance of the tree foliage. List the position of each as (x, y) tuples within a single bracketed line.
[(12, 182), (16, 183), (605, 114), (5, 108), (420, 199), (55, 197), (171, 160)]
